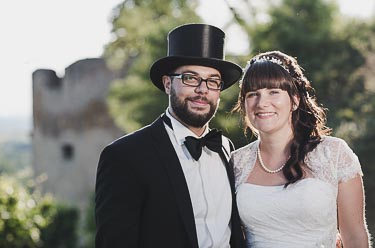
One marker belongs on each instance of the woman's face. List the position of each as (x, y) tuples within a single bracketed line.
[(269, 110)]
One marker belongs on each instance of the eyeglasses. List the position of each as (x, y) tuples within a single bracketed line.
[(214, 84)]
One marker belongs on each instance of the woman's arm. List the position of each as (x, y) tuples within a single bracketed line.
[(351, 214)]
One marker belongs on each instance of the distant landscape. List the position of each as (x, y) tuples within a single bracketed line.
[(15, 129), (15, 144)]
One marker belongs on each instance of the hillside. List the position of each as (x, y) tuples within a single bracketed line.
[(15, 144), (15, 129)]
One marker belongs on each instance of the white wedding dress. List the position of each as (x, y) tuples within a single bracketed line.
[(302, 215)]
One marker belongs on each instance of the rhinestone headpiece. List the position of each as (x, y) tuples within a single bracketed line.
[(271, 59), (261, 59)]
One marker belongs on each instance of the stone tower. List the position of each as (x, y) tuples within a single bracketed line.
[(71, 126)]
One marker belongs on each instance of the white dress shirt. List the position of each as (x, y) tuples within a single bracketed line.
[(209, 188)]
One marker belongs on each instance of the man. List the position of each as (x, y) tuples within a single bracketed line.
[(153, 188)]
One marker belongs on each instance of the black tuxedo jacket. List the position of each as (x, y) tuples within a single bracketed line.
[(142, 198)]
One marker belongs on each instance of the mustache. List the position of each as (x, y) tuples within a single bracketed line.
[(200, 98)]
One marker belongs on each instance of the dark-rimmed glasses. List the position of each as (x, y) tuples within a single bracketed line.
[(214, 84)]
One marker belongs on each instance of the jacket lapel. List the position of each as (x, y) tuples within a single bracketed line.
[(236, 239), (228, 168), (176, 176)]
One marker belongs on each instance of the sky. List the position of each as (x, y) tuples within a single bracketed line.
[(50, 34)]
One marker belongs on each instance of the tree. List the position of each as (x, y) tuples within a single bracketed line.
[(140, 29), (62, 230), (89, 226), (363, 130), (365, 147), (133, 100), (23, 215), (28, 219), (310, 31)]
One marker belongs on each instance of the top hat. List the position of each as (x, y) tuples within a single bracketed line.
[(195, 44)]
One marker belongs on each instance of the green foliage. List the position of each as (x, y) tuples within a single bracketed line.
[(62, 230), (140, 29), (308, 31), (23, 215), (89, 227), (29, 220), (229, 122), (364, 146)]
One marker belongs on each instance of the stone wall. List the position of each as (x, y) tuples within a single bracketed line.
[(71, 126)]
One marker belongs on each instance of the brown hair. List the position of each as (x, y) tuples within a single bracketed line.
[(275, 69)]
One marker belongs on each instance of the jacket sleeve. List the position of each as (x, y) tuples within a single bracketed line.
[(118, 200)]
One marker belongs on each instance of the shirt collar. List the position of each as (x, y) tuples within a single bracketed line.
[(180, 131)]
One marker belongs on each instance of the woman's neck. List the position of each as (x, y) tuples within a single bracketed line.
[(276, 144)]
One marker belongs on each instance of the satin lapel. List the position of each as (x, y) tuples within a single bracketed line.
[(173, 167), (229, 169), (236, 235)]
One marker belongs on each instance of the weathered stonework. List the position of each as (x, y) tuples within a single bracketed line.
[(71, 126)]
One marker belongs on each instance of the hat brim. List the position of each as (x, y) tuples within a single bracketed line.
[(230, 72)]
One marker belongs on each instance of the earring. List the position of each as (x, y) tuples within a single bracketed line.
[(294, 107)]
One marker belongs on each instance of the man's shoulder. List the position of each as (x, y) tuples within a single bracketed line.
[(132, 135), (135, 138)]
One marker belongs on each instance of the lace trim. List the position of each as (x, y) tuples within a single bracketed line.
[(332, 161), (243, 161)]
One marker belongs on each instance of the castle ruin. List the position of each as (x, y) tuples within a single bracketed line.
[(71, 126)]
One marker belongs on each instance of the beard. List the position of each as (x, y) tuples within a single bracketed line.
[(181, 109)]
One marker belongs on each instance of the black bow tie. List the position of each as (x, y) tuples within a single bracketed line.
[(212, 140)]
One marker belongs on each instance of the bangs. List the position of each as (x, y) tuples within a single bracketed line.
[(268, 75)]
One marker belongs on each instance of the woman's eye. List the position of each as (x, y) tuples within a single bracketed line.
[(251, 94), (273, 92)]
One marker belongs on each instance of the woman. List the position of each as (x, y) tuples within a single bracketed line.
[(296, 186)]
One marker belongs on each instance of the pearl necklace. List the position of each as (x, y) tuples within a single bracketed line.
[(265, 167)]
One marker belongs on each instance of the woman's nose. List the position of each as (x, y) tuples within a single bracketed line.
[(263, 100)]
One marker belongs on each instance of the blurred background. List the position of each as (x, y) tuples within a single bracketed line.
[(74, 76)]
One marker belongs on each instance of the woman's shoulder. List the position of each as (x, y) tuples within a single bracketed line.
[(328, 140), (243, 160), (334, 160), (331, 144), (245, 149), (327, 150)]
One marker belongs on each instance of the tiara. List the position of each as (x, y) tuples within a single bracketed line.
[(263, 59)]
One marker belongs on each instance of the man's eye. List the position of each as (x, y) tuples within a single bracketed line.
[(214, 81), (190, 77)]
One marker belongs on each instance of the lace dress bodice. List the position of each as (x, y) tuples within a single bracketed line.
[(305, 213)]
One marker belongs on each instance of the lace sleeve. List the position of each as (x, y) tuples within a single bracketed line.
[(242, 161), (237, 169), (347, 163), (333, 161)]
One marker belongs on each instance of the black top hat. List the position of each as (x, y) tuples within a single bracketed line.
[(195, 44)]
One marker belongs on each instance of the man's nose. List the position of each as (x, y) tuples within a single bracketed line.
[(202, 87)]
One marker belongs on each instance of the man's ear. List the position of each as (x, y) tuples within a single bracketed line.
[(167, 84)]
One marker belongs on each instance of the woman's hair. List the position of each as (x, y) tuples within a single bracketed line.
[(275, 69)]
